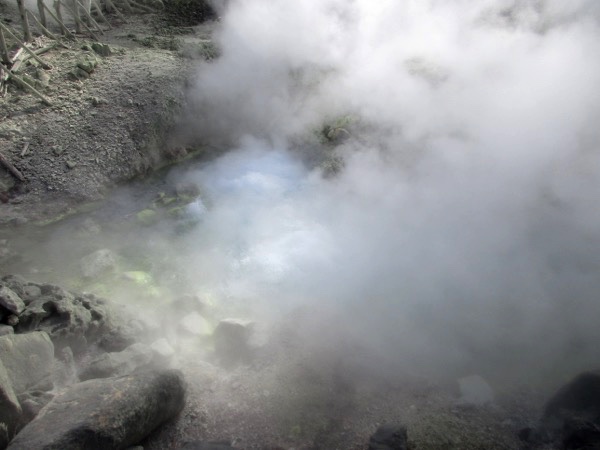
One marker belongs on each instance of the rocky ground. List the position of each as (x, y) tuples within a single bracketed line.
[(112, 125)]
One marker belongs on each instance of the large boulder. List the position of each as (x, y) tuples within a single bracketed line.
[(581, 397), (572, 416), (10, 409), (102, 414), (28, 359)]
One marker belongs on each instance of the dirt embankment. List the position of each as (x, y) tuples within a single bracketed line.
[(100, 130)]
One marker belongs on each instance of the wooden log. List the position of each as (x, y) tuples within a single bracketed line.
[(127, 6), (3, 49), (89, 16), (81, 22), (27, 86), (142, 8), (12, 169), (58, 18), (111, 7), (99, 11), (27, 49), (45, 30), (26, 31), (40, 5), (25, 149)]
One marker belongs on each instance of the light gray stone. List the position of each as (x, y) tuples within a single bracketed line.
[(10, 301)]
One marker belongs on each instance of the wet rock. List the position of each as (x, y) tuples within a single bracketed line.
[(106, 413), (10, 409), (202, 445), (121, 363), (28, 360), (474, 390), (389, 437), (232, 341), (10, 301), (98, 263)]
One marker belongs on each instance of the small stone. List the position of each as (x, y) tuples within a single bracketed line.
[(232, 341), (71, 164), (102, 49), (12, 320), (87, 64), (31, 292), (389, 437), (43, 78), (57, 150), (147, 217)]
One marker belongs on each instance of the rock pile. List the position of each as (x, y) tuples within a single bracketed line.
[(72, 374)]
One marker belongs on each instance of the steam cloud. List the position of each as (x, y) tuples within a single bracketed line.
[(463, 231)]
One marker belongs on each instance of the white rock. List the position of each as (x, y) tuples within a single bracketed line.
[(474, 390)]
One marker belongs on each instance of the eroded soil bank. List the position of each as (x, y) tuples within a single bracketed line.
[(101, 130)]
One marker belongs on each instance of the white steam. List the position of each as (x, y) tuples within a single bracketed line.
[(464, 229)]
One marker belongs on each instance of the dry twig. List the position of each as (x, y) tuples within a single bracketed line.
[(12, 169)]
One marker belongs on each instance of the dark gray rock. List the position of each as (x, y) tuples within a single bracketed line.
[(10, 409), (201, 445), (581, 397), (389, 437), (104, 414), (572, 416), (10, 301), (578, 434), (28, 359), (122, 363), (69, 320), (232, 341)]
